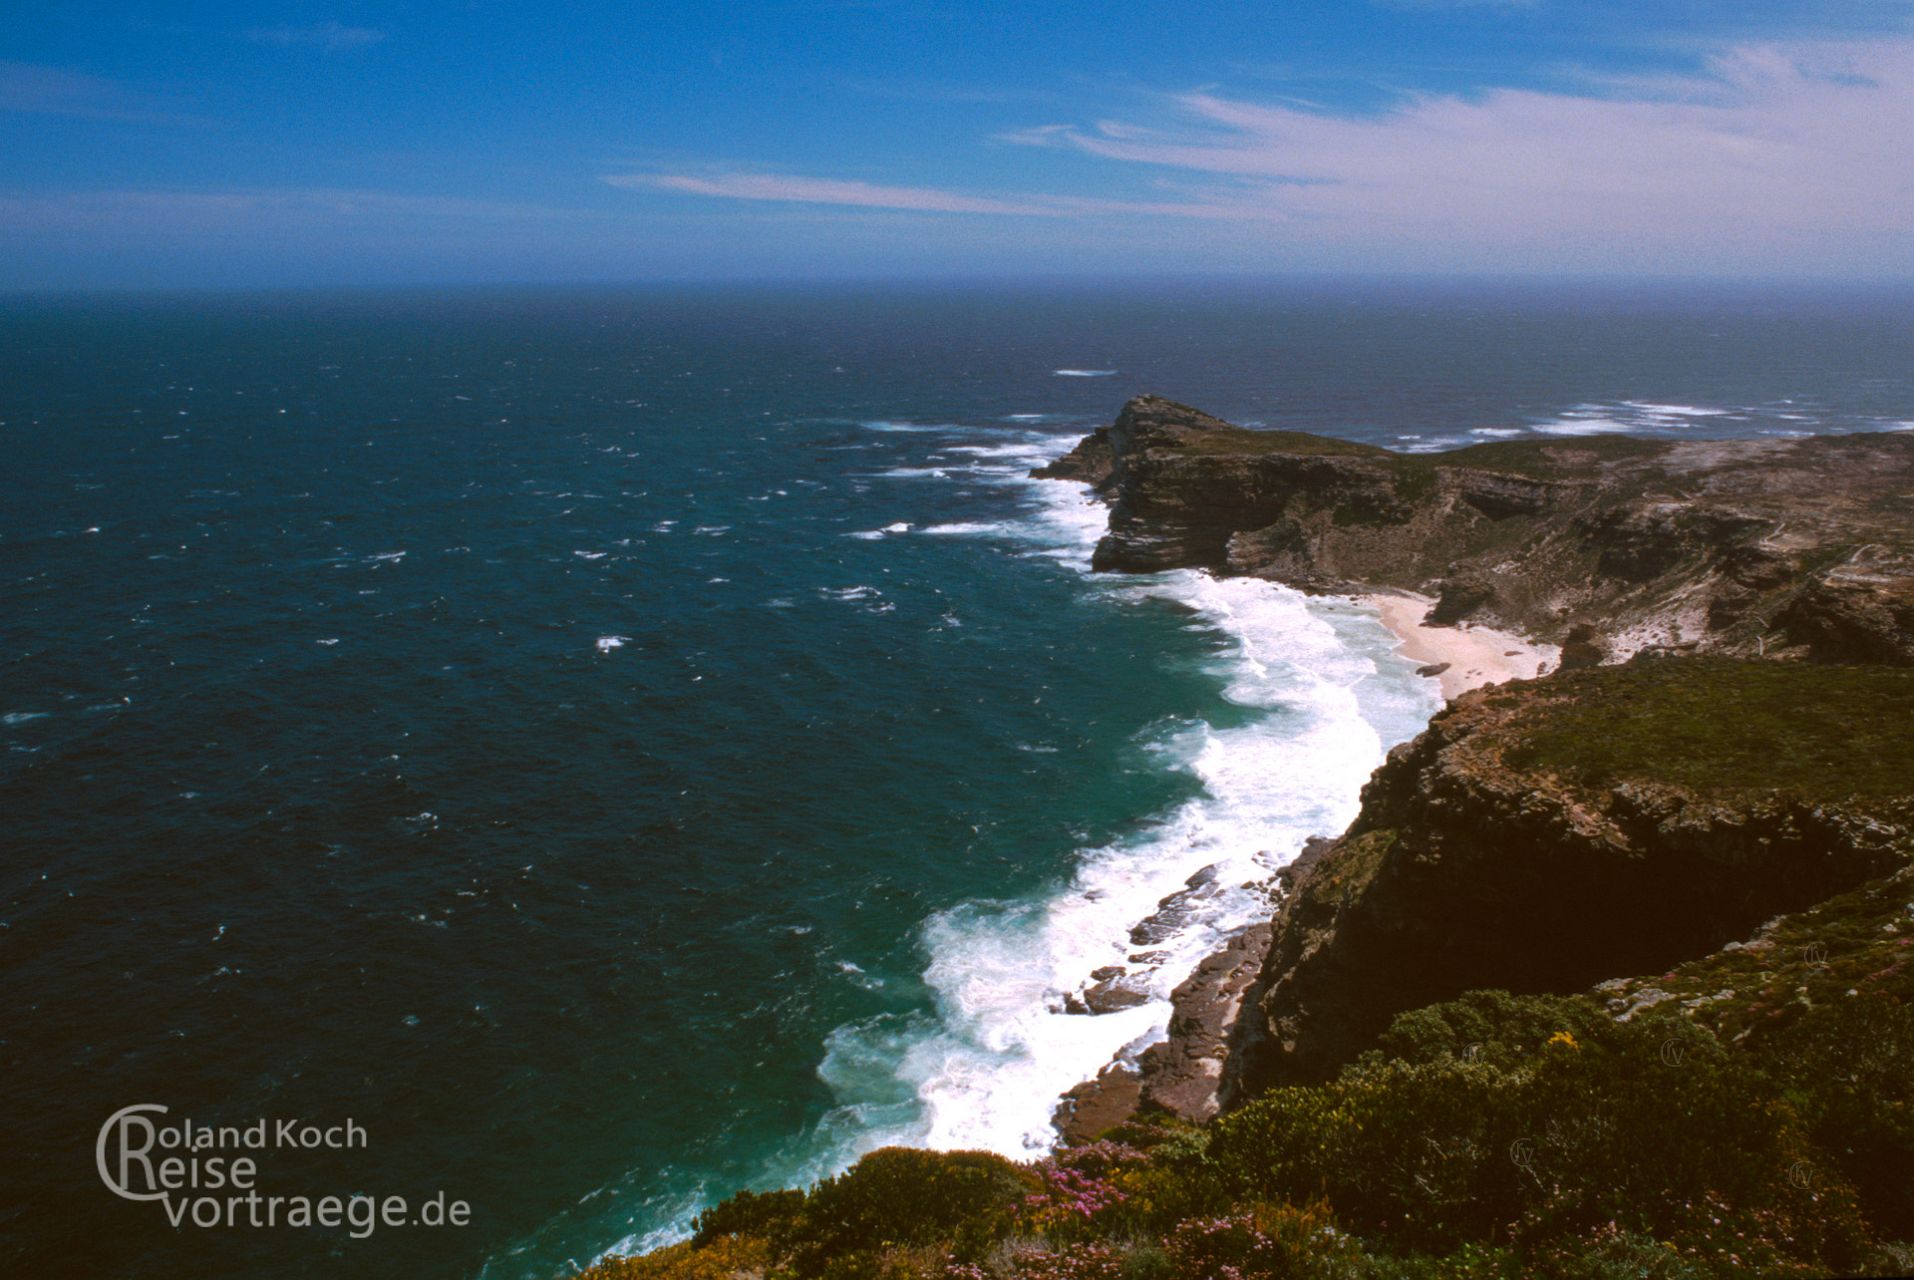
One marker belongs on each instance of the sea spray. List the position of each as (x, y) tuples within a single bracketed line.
[(1323, 697)]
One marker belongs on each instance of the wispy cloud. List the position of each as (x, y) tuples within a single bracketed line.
[(799, 190), (1789, 158), (146, 213), (796, 189), (1770, 151), (331, 36), (53, 91), (1457, 4)]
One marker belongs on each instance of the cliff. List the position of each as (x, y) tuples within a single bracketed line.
[(1609, 545), (1612, 975), (1548, 835)]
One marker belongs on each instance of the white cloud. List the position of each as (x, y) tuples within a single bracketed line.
[(795, 189), (332, 36), (799, 190), (53, 91), (1783, 157)]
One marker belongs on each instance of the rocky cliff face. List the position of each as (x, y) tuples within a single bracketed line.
[(1547, 836), (1487, 856), (1757, 548)]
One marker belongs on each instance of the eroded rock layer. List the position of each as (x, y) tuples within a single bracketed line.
[(1609, 544)]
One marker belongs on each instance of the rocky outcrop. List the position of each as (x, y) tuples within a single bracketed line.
[(1703, 806), (1777, 548), (1485, 858), (1546, 836)]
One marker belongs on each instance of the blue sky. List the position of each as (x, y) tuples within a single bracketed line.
[(243, 144)]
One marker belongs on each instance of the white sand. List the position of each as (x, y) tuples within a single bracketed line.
[(1476, 655)]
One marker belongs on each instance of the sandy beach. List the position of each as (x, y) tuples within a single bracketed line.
[(1475, 655)]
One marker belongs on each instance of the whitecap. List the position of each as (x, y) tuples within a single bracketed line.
[(1579, 425), (963, 527), (22, 717), (605, 644), (1327, 696), (1084, 373), (1673, 410)]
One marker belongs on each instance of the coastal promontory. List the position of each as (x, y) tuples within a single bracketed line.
[(1605, 545)]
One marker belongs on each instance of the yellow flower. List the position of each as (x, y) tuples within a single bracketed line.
[(1563, 1038)]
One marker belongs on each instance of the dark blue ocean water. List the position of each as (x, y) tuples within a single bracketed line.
[(620, 747)]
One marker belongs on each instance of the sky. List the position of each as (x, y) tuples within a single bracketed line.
[(290, 144)]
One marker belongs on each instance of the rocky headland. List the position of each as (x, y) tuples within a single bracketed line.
[(1613, 974), (1507, 847), (1605, 545)]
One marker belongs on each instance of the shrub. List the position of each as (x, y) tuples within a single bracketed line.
[(1277, 1242), (1034, 1260), (903, 1197), (1081, 1188), (761, 1213), (723, 1259), (1481, 1026), (1601, 1125), (1846, 1067)]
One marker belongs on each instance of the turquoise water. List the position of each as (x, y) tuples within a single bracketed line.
[(622, 747)]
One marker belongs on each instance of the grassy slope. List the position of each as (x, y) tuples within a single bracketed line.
[(1820, 732)]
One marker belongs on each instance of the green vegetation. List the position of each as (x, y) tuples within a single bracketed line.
[(1414, 475), (1493, 1136), (1537, 459), (1749, 1113), (1820, 732), (1550, 459), (1241, 440)]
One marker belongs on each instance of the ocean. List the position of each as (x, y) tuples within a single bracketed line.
[(616, 747)]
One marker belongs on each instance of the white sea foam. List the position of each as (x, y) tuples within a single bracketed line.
[(1324, 694), (1084, 373), (962, 527), (986, 1070), (1031, 451), (1580, 425), (605, 644), (913, 428), (1673, 410), (1627, 416)]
